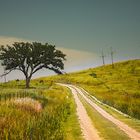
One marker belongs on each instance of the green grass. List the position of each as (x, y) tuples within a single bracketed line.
[(132, 122), (72, 127), (107, 130), (118, 87), (49, 123)]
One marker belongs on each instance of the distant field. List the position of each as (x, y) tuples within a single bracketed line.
[(118, 87)]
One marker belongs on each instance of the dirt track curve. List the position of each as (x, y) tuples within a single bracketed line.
[(88, 130), (132, 133)]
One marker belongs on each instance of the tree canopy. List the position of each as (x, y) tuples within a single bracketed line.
[(31, 57)]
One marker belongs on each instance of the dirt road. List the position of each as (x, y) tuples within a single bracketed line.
[(88, 130), (133, 134)]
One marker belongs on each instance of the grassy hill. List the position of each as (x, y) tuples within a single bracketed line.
[(118, 86)]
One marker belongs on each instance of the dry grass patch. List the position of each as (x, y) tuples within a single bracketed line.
[(28, 104)]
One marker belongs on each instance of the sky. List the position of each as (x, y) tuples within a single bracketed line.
[(80, 28)]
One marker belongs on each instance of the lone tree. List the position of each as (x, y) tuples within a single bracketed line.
[(31, 57)]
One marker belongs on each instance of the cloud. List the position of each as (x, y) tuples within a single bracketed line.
[(10, 40), (76, 59)]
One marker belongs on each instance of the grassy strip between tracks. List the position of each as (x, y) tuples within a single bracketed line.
[(132, 122), (107, 130)]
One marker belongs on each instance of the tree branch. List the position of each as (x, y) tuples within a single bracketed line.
[(6, 73), (55, 70), (40, 67)]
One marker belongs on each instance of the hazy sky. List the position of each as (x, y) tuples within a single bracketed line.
[(75, 25)]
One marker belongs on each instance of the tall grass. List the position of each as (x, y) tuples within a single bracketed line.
[(19, 118)]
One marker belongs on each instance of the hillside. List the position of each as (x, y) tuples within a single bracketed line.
[(49, 111), (118, 86)]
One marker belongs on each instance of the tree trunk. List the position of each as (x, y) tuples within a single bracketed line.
[(27, 82)]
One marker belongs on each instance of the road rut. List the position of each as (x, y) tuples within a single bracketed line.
[(132, 133), (88, 130)]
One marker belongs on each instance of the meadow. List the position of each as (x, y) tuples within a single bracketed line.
[(47, 110), (118, 87), (41, 112)]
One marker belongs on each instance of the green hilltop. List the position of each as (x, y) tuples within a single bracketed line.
[(118, 87)]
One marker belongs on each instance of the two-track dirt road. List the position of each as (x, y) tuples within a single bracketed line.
[(89, 132)]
